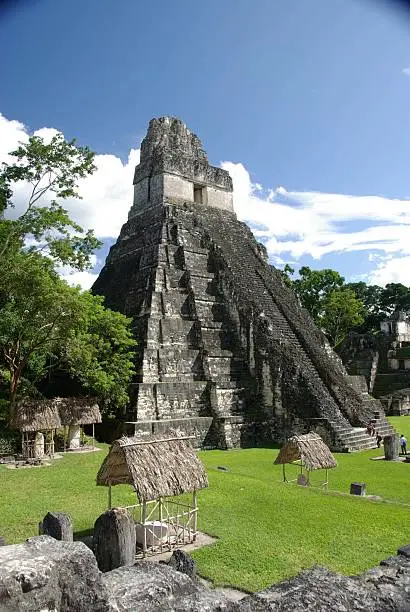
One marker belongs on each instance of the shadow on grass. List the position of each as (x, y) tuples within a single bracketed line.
[(80, 536)]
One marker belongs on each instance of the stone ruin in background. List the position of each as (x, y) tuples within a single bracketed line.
[(383, 358), (225, 352)]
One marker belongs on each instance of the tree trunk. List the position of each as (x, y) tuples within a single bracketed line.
[(14, 381)]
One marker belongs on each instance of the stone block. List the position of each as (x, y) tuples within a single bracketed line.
[(58, 525), (197, 427), (391, 447), (404, 550), (44, 574), (7, 459), (358, 488), (182, 562), (114, 539)]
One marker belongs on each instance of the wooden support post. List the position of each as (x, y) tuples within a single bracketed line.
[(144, 518), (52, 444), (93, 436), (284, 473), (109, 496), (23, 450), (64, 437), (195, 502), (160, 520), (177, 529)]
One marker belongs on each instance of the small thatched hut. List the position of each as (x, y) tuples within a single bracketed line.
[(158, 467), (33, 416), (311, 453)]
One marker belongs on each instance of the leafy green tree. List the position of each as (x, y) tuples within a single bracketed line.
[(313, 288), (395, 296), (53, 170), (99, 352), (373, 312), (45, 323), (286, 274), (380, 302), (342, 311)]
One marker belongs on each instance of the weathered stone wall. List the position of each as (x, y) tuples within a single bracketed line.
[(172, 162)]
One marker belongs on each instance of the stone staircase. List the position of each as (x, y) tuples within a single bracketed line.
[(348, 438), (356, 438)]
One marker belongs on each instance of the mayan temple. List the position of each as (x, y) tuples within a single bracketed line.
[(225, 352)]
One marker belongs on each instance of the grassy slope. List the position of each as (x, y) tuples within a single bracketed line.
[(267, 529)]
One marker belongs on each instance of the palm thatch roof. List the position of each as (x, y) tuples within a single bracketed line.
[(156, 466), (310, 449), (37, 415)]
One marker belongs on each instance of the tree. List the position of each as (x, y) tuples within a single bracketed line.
[(380, 302), (99, 352), (395, 296), (313, 288), (373, 312), (286, 274), (342, 311), (45, 323), (53, 170)]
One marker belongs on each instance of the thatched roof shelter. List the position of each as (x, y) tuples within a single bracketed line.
[(156, 466), (45, 414), (310, 450)]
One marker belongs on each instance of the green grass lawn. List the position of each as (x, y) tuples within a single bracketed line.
[(267, 529)]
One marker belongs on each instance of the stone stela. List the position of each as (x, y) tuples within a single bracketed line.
[(225, 352)]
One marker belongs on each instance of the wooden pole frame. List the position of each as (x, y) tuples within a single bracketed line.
[(109, 496), (195, 510), (160, 520), (143, 520)]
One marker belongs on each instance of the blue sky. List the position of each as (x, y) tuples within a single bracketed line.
[(306, 101)]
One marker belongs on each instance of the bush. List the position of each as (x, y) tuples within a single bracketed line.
[(9, 441)]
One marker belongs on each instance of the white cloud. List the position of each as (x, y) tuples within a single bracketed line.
[(46, 134), (11, 133), (391, 270), (85, 279), (290, 223), (106, 195), (406, 71), (316, 224)]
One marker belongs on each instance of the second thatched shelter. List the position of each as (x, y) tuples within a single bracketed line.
[(310, 451), (32, 416), (158, 467)]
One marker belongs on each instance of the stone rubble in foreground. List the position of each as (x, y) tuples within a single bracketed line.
[(49, 575)]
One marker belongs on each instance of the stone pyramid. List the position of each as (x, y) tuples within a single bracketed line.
[(225, 352)]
